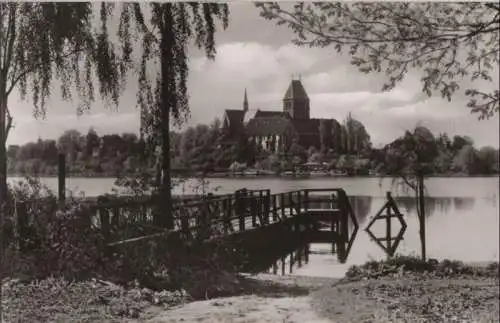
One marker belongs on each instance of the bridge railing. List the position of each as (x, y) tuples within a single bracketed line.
[(121, 218)]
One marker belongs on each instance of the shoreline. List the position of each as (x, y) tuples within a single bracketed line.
[(253, 176), (274, 298)]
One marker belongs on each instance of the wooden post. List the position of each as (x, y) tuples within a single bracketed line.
[(116, 215), (275, 206), (61, 177), (305, 203), (282, 206), (421, 203), (253, 211), (261, 209), (227, 214), (104, 217), (267, 206), (22, 225), (344, 217), (291, 263), (388, 226), (291, 202), (283, 264), (240, 210), (298, 207), (332, 201), (334, 220), (341, 251), (185, 226)]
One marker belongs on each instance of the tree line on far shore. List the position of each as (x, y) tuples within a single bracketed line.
[(196, 149)]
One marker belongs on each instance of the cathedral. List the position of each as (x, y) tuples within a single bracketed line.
[(276, 131)]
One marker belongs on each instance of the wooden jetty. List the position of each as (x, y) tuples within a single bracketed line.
[(250, 218)]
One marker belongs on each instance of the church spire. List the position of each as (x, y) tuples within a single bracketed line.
[(245, 102)]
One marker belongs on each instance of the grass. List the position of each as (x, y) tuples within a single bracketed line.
[(406, 289), (57, 300), (403, 289)]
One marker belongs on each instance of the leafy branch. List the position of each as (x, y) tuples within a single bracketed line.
[(445, 41)]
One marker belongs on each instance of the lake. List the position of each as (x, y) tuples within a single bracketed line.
[(462, 215)]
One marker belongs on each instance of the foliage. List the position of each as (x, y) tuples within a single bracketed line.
[(405, 264), (446, 42), (61, 250), (411, 155), (91, 154), (124, 156), (48, 239), (57, 299), (355, 137), (407, 289), (297, 152), (166, 38), (42, 42)]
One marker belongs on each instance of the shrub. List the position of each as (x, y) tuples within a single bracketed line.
[(402, 264), (47, 240)]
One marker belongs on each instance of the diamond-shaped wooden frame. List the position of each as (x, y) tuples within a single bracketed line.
[(352, 236), (390, 205)]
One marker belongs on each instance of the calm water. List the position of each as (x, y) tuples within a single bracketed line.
[(462, 215)]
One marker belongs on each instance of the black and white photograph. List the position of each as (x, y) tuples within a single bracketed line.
[(241, 161)]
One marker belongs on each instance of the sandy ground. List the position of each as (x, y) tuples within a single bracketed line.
[(291, 305), (321, 300), (244, 309)]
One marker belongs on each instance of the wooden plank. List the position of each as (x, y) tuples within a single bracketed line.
[(321, 210), (390, 216), (385, 239), (323, 236)]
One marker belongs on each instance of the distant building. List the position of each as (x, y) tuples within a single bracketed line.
[(276, 131)]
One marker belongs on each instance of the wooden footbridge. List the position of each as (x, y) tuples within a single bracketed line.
[(252, 219), (318, 215)]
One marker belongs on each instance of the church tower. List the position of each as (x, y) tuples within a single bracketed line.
[(245, 102), (296, 101)]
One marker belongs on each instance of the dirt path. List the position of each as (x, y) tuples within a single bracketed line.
[(244, 309), (321, 300), (290, 303)]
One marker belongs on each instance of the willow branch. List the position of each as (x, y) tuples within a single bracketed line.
[(34, 66), (11, 36)]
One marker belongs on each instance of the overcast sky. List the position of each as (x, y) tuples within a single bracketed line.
[(255, 54)]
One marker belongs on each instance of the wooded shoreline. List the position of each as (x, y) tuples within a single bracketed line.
[(100, 176)]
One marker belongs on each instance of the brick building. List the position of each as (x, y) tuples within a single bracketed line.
[(275, 131)]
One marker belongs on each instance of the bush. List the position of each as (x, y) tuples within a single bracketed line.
[(65, 243), (46, 241), (402, 264)]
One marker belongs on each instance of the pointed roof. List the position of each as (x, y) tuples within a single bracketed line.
[(296, 91), (268, 114), (245, 101), (265, 126)]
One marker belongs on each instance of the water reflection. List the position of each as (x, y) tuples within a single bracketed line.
[(435, 205), (449, 220)]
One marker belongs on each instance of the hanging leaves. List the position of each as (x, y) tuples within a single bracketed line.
[(446, 42)]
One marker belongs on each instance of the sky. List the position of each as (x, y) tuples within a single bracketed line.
[(255, 54)]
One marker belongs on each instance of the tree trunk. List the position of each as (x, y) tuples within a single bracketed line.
[(421, 216), (3, 168), (167, 100)]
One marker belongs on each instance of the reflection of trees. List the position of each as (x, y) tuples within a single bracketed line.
[(361, 206), (435, 204), (463, 203), (432, 205)]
